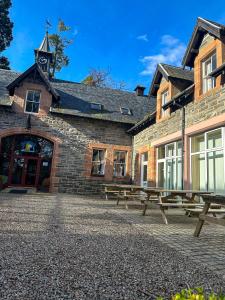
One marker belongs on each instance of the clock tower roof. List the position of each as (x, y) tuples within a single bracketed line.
[(45, 47)]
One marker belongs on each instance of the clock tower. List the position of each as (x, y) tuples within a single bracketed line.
[(44, 56)]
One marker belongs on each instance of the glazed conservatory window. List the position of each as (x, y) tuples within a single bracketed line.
[(207, 67), (169, 166), (164, 96), (98, 162), (119, 163), (207, 161), (32, 101)]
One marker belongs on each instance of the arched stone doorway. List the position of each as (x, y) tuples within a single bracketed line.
[(26, 160)]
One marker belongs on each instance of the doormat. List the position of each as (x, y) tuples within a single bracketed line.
[(18, 191)]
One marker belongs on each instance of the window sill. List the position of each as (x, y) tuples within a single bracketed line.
[(96, 175)]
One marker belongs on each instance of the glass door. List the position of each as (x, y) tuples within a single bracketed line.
[(17, 170), (31, 171)]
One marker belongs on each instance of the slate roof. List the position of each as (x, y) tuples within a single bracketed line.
[(168, 72), (76, 99), (178, 72), (6, 77)]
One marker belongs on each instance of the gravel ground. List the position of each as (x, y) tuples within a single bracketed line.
[(62, 247)]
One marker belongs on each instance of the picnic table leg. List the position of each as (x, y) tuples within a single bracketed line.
[(106, 195), (200, 221), (163, 215), (118, 198), (146, 205)]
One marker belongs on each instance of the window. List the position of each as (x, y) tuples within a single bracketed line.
[(98, 162), (169, 166), (207, 161), (32, 101), (125, 111), (207, 67), (164, 96), (96, 106), (119, 165)]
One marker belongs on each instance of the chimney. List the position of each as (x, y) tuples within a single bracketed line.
[(139, 90)]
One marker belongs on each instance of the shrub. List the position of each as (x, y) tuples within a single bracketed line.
[(196, 294)]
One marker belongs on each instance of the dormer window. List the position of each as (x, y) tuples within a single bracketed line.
[(96, 106), (208, 66), (164, 96), (125, 111), (32, 102)]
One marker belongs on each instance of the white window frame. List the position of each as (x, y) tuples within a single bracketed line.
[(164, 100), (164, 160), (205, 152), (25, 104), (125, 163), (206, 78), (99, 161), (143, 164)]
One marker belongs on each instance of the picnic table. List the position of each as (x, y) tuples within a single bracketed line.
[(123, 192), (209, 201), (186, 199)]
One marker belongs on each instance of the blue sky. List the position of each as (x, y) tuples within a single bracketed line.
[(127, 36)]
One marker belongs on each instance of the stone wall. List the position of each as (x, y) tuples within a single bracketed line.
[(74, 135), (213, 105)]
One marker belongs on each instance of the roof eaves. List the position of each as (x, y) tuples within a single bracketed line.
[(71, 112), (204, 26), (144, 122), (24, 75), (178, 96)]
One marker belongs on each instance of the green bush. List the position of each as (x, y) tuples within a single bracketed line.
[(196, 294)]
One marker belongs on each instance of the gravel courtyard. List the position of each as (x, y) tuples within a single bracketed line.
[(69, 247)]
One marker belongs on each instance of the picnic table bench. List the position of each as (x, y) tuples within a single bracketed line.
[(187, 199), (209, 201)]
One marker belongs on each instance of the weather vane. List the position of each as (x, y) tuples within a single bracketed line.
[(47, 24)]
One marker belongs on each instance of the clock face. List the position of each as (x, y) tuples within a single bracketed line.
[(42, 60)]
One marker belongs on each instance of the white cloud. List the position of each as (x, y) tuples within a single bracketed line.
[(143, 37), (75, 32), (172, 52)]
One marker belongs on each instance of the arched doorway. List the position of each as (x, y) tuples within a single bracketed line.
[(26, 161)]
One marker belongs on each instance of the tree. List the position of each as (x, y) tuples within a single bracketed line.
[(102, 78), (4, 63), (59, 42), (5, 31)]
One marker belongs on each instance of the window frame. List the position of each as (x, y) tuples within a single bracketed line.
[(206, 78), (174, 158), (99, 161), (25, 104), (124, 164), (164, 100), (205, 152)]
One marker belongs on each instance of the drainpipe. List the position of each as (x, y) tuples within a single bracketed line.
[(182, 141)]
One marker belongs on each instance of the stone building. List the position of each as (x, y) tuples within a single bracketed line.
[(69, 137), (181, 144), (62, 136)]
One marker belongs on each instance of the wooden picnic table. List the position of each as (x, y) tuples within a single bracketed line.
[(209, 201), (123, 191), (170, 199)]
